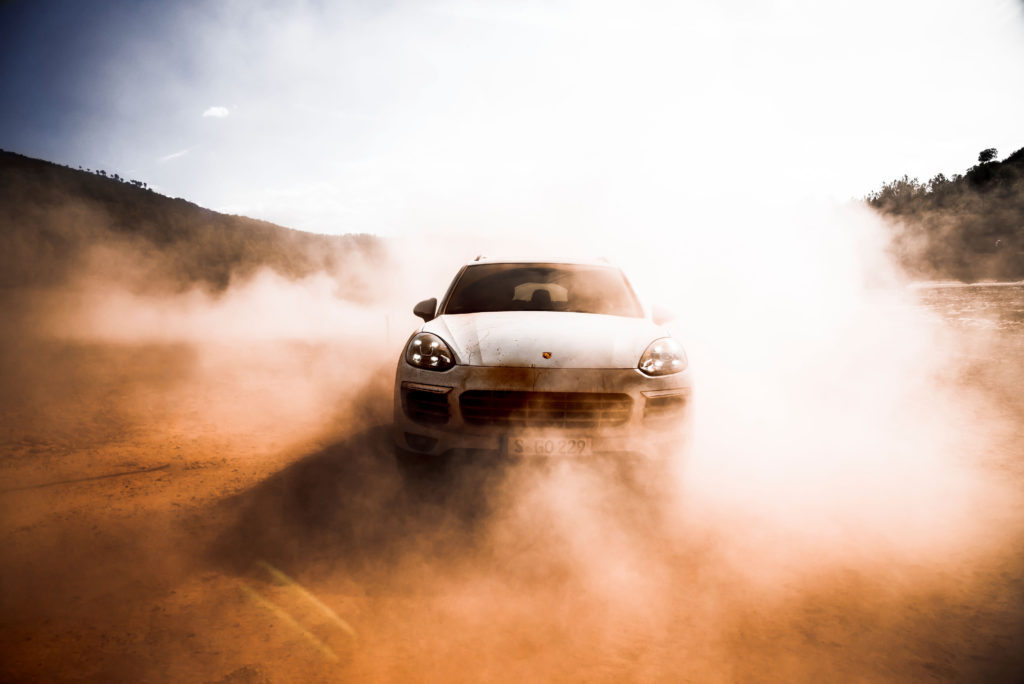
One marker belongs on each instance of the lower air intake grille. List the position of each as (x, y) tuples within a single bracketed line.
[(545, 409), (425, 407), (664, 407)]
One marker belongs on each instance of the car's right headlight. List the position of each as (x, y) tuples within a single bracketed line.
[(428, 351), (663, 357)]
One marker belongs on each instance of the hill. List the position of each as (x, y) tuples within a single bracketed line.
[(969, 227), (56, 221)]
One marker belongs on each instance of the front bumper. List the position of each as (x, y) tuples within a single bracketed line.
[(429, 417)]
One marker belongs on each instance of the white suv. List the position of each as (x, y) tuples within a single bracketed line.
[(539, 358)]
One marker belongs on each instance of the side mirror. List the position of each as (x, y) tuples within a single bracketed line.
[(660, 315), (426, 309)]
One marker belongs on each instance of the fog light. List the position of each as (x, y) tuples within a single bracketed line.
[(420, 442)]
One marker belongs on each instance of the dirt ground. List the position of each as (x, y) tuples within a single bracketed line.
[(172, 512)]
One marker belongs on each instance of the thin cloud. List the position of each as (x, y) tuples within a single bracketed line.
[(217, 112), (173, 155)]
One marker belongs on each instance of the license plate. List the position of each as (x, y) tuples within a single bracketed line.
[(550, 446)]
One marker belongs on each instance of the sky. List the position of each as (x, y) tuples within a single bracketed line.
[(402, 118)]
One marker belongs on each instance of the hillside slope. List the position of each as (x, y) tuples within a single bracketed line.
[(969, 227), (56, 221)]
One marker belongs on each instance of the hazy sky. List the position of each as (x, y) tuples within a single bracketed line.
[(398, 117)]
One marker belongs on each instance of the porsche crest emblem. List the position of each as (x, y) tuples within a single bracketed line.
[(546, 355)]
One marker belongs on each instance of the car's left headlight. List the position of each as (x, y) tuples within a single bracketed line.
[(663, 357), (429, 351)]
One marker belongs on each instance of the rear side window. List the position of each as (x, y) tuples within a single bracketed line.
[(543, 287)]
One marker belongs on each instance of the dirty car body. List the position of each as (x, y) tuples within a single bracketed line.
[(539, 359)]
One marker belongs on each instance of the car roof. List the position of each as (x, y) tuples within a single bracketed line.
[(592, 261)]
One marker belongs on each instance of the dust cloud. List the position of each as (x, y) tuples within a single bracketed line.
[(199, 486)]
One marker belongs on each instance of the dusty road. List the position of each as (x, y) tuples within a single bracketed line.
[(232, 514)]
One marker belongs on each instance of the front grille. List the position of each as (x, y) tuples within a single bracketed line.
[(545, 409), (425, 407), (664, 407)]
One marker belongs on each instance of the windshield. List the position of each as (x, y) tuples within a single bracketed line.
[(543, 287)]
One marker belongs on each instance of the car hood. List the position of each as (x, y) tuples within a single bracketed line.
[(520, 339)]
